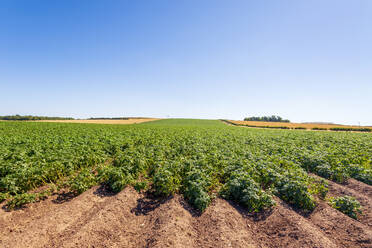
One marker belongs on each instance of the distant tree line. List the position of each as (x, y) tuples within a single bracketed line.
[(31, 118), (273, 118)]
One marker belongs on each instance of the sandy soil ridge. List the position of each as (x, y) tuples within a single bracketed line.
[(97, 218)]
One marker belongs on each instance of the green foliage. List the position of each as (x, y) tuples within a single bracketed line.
[(295, 193), (324, 171), (3, 197), (360, 173), (192, 157), (319, 188), (166, 181), (347, 205), (115, 178), (141, 186), (196, 187), (20, 200), (83, 181), (244, 190)]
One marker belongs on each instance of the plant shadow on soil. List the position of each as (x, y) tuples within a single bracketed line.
[(148, 203), (255, 216), (7, 209), (101, 191), (64, 197), (194, 212), (104, 191), (264, 214)]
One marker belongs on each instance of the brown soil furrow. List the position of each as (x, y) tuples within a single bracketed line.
[(362, 192), (130, 219), (170, 225), (283, 227), (221, 225), (343, 230), (35, 225), (360, 187), (109, 224)]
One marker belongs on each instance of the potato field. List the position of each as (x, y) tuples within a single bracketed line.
[(202, 161)]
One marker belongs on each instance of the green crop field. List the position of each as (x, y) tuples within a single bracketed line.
[(200, 159)]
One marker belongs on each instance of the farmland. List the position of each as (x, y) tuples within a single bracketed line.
[(304, 126), (104, 121), (185, 177)]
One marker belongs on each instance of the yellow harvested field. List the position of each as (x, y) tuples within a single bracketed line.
[(103, 121), (291, 125)]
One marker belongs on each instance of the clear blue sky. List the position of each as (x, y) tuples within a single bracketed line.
[(303, 60)]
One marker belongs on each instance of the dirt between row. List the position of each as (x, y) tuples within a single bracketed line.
[(98, 218)]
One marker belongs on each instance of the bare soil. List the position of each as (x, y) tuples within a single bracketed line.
[(98, 218)]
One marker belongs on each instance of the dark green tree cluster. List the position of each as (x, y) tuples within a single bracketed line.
[(31, 118), (273, 118)]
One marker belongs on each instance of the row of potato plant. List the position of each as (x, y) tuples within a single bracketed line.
[(197, 158)]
